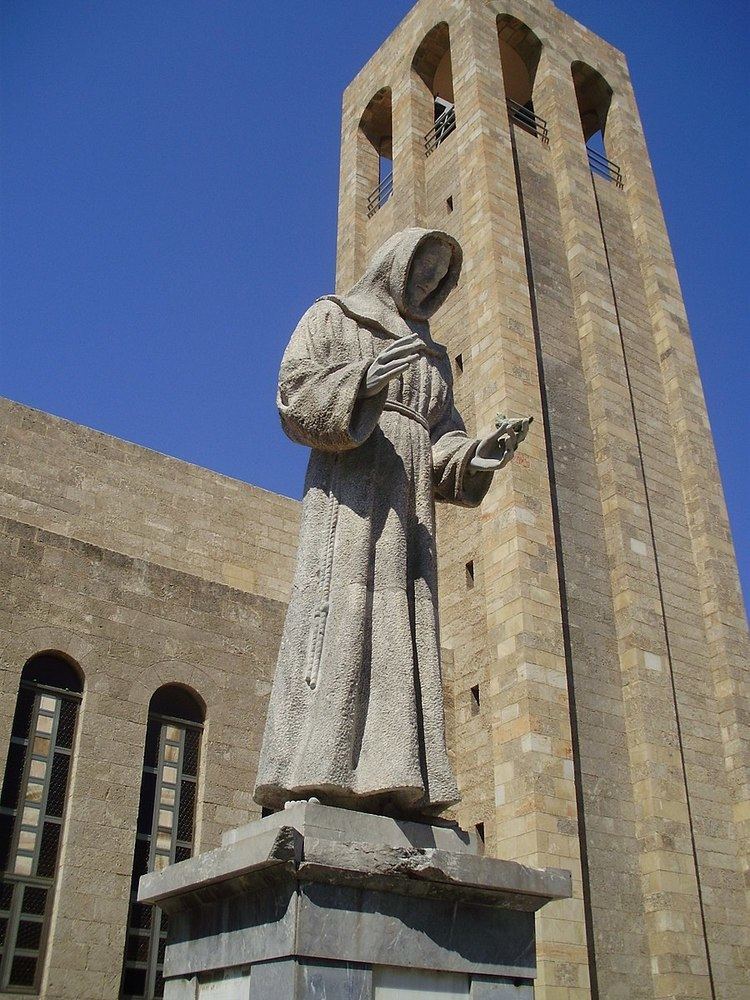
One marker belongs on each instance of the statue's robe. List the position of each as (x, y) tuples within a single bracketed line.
[(356, 712)]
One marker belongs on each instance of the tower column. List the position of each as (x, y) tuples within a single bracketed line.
[(353, 194), (534, 786), (709, 602), (408, 151), (706, 511), (662, 813)]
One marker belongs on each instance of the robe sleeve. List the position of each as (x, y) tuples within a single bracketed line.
[(321, 373), (452, 450)]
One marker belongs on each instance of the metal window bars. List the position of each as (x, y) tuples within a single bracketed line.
[(528, 120), (603, 167), (34, 794), (380, 195), (440, 131), (165, 836)]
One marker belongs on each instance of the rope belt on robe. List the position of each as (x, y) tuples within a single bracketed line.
[(407, 412)]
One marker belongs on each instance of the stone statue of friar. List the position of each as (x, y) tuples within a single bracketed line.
[(356, 713)]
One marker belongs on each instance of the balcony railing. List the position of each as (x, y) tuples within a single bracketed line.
[(527, 120), (380, 195), (605, 168), (440, 131)]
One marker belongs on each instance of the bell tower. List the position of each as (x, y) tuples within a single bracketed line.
[(595, 639)]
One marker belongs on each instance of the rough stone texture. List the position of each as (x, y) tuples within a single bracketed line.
[(319, 821), (85, 523), (316, 838), (356, 713), (603, 622), (282, 893), (79, 483)]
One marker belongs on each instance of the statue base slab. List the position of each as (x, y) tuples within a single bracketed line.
[(317, 902)]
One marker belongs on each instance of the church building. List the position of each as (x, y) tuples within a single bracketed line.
[(594, 641)]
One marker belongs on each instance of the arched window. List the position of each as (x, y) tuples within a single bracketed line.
[(166, 827), (594, 96), (376, 143), (32, 809), (432, 66), (520, 50)]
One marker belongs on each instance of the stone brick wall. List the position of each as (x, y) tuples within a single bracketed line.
[(601, 625), (607, 812), (80, 483), (605, 626), (117, 557)]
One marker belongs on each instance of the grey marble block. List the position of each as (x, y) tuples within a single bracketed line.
[(182, 988), (333, 981), (305, 903), (500, 988)]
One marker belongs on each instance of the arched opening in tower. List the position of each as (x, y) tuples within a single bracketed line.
[(594, 96), (376, 147), (520, 51), (432, 71)]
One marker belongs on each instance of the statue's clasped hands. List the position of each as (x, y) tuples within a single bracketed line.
[(493, 451), (498, 448)]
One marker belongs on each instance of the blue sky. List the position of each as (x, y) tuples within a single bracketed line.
[(169, 185)]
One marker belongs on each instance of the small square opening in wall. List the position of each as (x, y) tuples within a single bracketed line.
[(470, 574), (459, 362), (475, 702), (449, 203)]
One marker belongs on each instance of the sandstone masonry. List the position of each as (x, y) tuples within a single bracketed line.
[(598, 679), (144, 571)]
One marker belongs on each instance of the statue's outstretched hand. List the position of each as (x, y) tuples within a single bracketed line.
[(390, 363), (498, 448)]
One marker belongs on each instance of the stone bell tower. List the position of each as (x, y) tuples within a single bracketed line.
[(595, 640)]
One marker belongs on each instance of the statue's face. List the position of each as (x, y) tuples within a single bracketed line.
[(428, 268)]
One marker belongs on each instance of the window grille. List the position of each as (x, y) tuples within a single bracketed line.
[(165, 834), (32, 807)]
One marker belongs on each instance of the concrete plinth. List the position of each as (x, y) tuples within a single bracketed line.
[(337, 905)]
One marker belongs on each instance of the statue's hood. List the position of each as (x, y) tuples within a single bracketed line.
[(380, 296)]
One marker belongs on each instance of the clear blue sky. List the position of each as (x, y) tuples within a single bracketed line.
[(169, 185)]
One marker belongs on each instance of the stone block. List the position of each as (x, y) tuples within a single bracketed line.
[(331, 980), (285, 893), (181, 988), (500, 988), (274, 979), (234, 984), (347, 826)]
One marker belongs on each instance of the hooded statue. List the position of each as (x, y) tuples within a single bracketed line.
[(356, 713)]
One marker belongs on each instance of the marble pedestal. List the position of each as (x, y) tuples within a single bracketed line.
[(316, 902)]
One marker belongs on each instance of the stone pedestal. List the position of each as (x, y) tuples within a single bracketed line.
[(315, 902)]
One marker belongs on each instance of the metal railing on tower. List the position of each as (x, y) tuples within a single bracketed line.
[(603, 167), (380, 195), (522, 115), (440, 131)]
